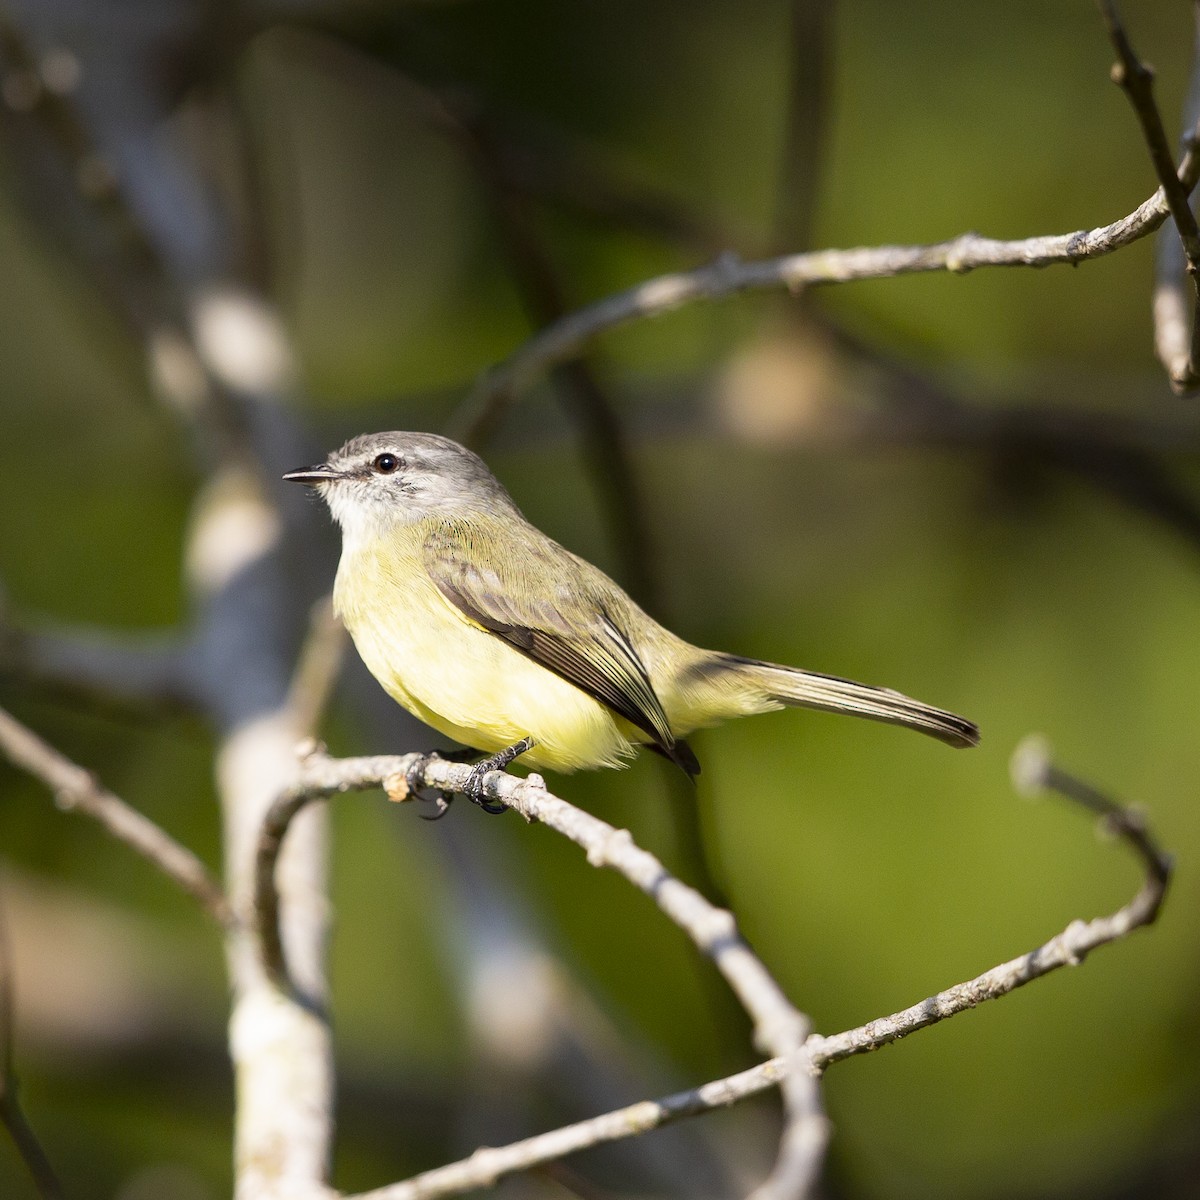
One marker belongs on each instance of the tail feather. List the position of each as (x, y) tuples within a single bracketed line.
[(753, 686), (831, 694)]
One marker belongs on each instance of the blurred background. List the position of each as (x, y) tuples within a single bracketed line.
[(978, 489)]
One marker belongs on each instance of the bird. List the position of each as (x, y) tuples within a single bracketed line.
[(489, 631)]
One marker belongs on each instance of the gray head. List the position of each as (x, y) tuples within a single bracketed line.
[(382, 479)]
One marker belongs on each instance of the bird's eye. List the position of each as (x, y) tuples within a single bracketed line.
[(386, 464)]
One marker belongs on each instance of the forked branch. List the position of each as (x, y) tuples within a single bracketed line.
[(1033, 770), (729, 275), (1177, 333), (779, 1028), (75, 788)]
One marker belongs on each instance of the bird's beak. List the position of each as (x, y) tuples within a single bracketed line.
[(321, 473)]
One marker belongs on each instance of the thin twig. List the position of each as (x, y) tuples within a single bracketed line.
[(318, 666), (1174, 324), (491, 1163), (780, 1030), (134, 673), (222, 358), (1136, 79), (606, 449), (807, 120), (33, 1154), (605, 446), (75, 788), (604, 442), (554, 166), (12, 1115), (1032, 768), (1127, 459), (730, 275)]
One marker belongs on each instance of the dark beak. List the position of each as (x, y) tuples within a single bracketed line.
[(312, 475)]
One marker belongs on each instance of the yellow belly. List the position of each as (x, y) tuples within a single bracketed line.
[(462, 680)]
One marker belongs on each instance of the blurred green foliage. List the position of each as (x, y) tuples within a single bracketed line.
[(868, 867)]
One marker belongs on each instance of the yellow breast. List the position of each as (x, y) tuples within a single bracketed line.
[(457, 677)]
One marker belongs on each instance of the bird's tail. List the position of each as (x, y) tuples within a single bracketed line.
[(744, 685)]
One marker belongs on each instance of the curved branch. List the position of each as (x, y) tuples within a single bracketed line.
[(1177, 330), (729, 275), (1033, 770), (1175, 321), (75, 788), (779, 1028)]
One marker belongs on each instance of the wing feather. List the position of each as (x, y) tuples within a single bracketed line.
[(521, 598)]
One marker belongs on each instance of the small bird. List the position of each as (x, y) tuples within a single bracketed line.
[(494, 634)]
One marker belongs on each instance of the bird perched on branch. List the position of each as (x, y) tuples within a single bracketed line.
[(495, 635)]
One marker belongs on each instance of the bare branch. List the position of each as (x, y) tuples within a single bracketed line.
[(139, 672), (807, 119), (221, 358), (1136, 80), (542, 160), (606, 451), (489, 1164), (604, 442), (317, 670), (605, 446), (779, 1028), (730, 275), (1174, 325), (75, 788), (1127, 459), (12, 1115), (1032, 769)]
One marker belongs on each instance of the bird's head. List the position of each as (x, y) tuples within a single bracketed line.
[(381, 480)]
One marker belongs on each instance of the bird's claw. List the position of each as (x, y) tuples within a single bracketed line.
[(415, 778), (473, 788), (442, 801)]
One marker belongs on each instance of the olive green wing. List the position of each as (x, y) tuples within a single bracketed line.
[(553, 608)]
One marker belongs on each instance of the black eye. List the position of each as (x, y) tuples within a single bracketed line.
[(386, 464)]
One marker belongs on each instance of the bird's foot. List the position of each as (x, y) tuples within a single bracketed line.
[(473, 788), (414, 777)]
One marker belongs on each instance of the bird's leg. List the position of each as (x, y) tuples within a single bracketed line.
[(473, 788)]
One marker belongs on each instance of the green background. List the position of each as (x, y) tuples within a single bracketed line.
[(868, 867)]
